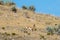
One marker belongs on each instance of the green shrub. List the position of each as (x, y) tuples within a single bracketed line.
[(24, 7), (54, 30), (32, 8), (50, 30), (14, 9)]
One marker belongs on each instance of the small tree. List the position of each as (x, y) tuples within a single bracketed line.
[(32, 8), (24, 7)]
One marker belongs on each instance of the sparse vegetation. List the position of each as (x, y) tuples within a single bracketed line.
[(5, 34), (25, 30), (34, 28), (42, 37)]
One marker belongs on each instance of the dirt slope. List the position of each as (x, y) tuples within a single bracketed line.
[(25, 25)]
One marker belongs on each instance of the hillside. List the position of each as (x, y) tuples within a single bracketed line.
[(26, 25)]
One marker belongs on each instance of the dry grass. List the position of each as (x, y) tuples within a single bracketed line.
[(17, 21)]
